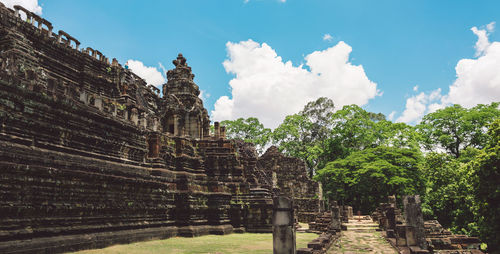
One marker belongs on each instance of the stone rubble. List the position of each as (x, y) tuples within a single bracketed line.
[(409, 233)]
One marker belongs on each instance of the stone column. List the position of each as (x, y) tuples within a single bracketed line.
[(134, 116), (336, 218), (154, 145), (283, 226), (176, 126), (223, 132), (216, 130), (391, 222), (200, 130), (415, 231)]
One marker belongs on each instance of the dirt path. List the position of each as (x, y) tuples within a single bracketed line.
[(361, 237)]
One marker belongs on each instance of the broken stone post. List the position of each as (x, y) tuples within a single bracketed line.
[(350, 213), (344, 213), (400, 233), (223, 132), (336, 218), (391, 222), (283, 226), (415, 232), (216, 130)]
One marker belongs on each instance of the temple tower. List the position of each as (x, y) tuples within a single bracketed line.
[(184, 114)]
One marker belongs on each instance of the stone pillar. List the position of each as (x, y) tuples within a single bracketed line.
[(400, 233), (344, 214), (200, 130), (283, 226), (155, 124), (176, 125), (350, 213), (391, 222), (415, 231), (223, 132), (134, 116), (154, 145), (336, 218), (216, 130)]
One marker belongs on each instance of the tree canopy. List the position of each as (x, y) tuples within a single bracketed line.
[(248, 130), (365, 178), (456, 128), (450, 158)]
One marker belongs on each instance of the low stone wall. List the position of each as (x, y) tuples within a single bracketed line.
[(409, 233), (319, 245), (306, 209), (328, 224)]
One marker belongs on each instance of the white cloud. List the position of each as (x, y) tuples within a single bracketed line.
[(150, 74), (490, 27), (415, 88), (31, 5), (478, 81), (203, 95), (162, 68), (482, 40), (267, 88), (419, 105), (327, 37), (391, 116)]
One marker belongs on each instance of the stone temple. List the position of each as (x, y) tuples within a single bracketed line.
[(91, 155)]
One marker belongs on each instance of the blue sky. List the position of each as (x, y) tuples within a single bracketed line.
[(398, 44)]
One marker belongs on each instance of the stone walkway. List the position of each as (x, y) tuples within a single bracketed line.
[(361, 237)]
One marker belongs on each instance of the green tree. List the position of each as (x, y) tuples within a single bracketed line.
[(455, 128), (248, 130), (355, 129), (449, 196), (303, 135), (352, 130), (487, 188), (319, 113), (365, 178), (293, 137)]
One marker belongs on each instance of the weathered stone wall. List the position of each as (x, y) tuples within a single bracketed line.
[(86, 160), (411, 234), (289, 175)]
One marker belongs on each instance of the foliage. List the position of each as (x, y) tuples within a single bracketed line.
[(361, 158), (294, 138), (352, 130), (456, 128), (355, 129), (487, 188), (448, 196), (303, 135), (365, 178), (248, 130), (319, 113)]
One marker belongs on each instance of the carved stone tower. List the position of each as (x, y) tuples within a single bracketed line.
[(184, 113)]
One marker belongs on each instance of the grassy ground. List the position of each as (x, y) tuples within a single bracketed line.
[(213, 244)]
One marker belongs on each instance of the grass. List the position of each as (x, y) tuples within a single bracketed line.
[(213, 244)]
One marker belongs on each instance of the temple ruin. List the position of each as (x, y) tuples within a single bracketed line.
[(91, 155)]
